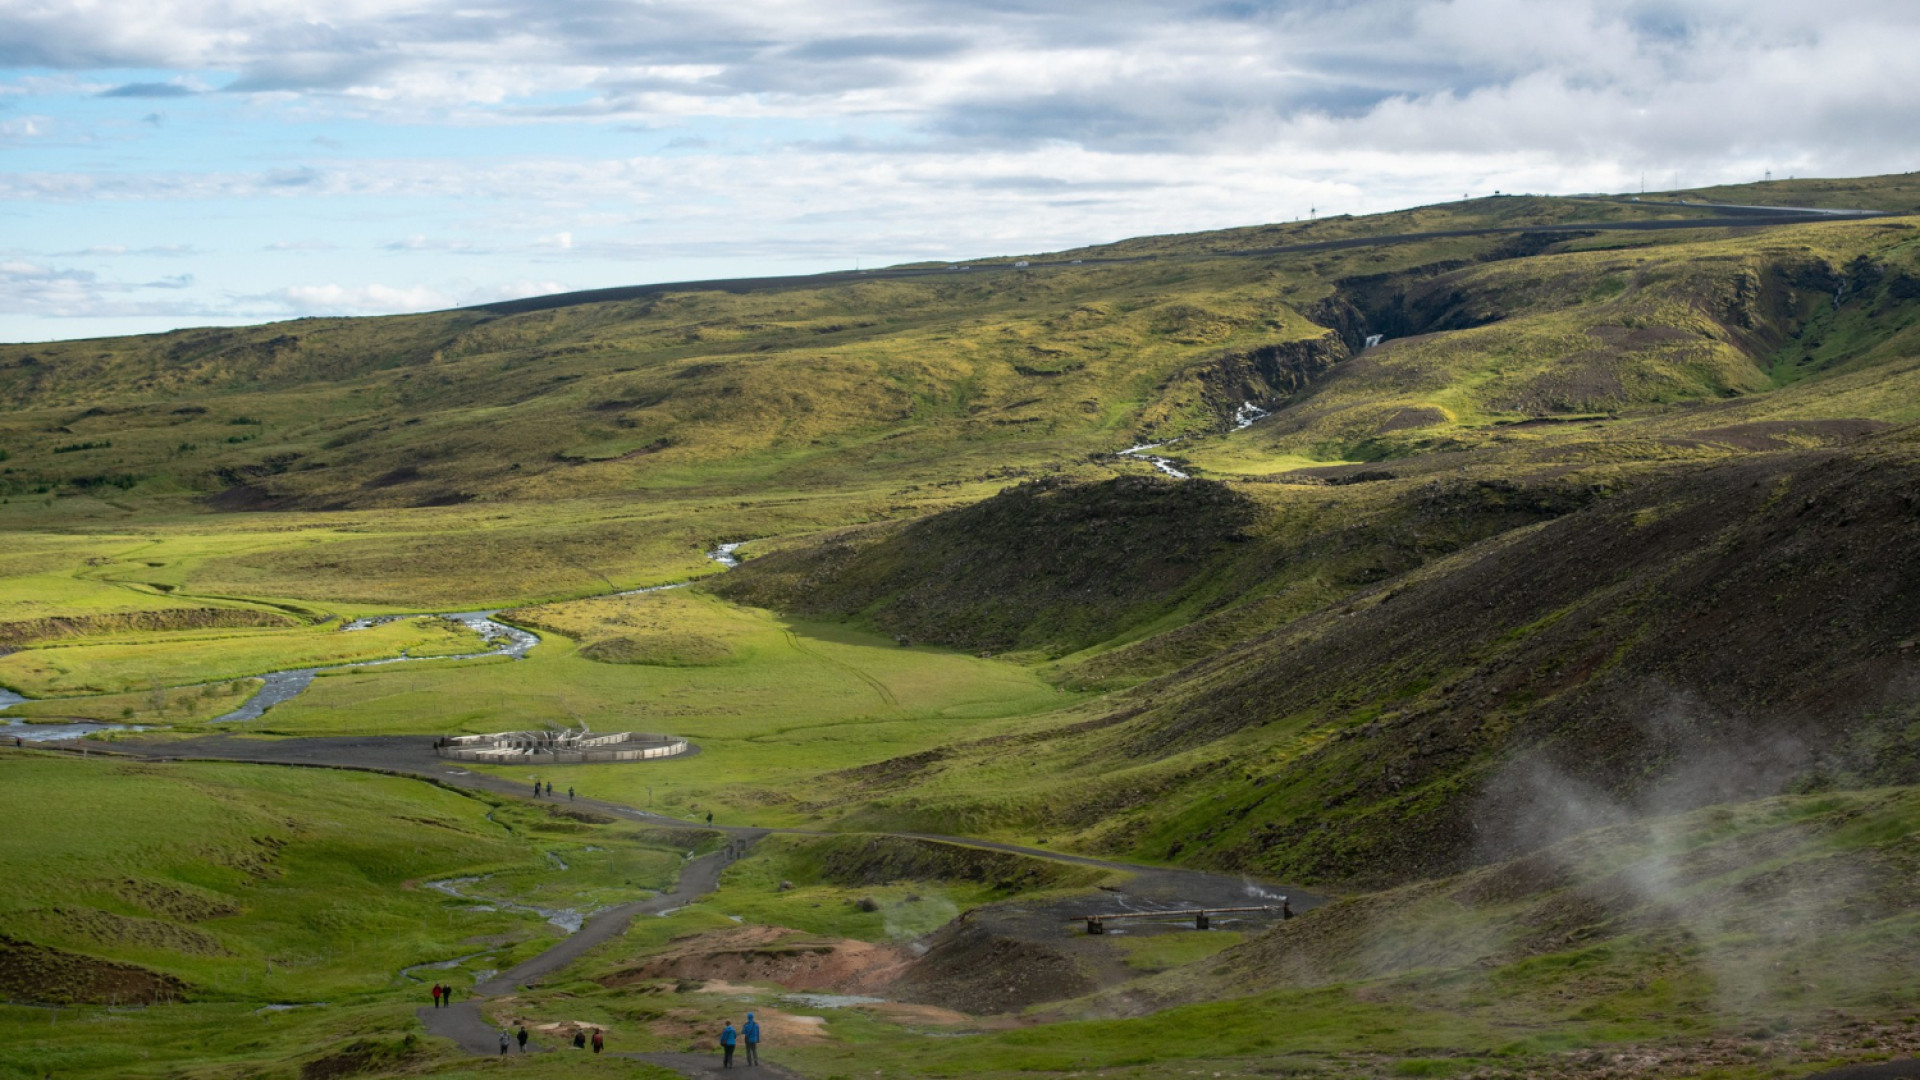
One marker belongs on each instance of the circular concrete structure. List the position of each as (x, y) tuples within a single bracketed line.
[(558, 747)]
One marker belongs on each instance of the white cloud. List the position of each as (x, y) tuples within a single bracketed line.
[(377, 299), (777, 133), (34, 289), (333, 299), (21, 128)]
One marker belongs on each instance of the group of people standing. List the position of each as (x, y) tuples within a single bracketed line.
[(731, 1038), (580, 1040), (549, 792), (749, 1034)]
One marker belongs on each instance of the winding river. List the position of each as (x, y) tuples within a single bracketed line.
[(26, 732), (502, 640), (289, 683)]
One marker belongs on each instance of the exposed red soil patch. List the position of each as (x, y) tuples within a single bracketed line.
[(772, 954), (701, 1031)]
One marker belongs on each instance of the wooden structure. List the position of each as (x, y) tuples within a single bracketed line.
[(1202, 917), (558, 747)]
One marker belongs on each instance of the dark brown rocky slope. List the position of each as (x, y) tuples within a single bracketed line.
[(1726, 633)]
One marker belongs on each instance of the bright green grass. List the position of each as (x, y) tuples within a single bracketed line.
[(258, 884), (580, 867), (181, 705), (799, 699), (122, 663), (1160, 951), (320, 868), (1327, 1022), (45, 574), (388, 561)]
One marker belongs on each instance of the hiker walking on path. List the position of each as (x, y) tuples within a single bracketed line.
[(441, 995), (709, 817), (549, 789), (569, 794), (536, 789), (727, 1038), (599, 1042), (522, 1036), (503, 1042), (751, 1030)]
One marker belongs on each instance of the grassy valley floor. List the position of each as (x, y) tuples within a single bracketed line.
[(1559, 636)]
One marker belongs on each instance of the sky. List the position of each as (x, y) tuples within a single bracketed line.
[(171, 163)]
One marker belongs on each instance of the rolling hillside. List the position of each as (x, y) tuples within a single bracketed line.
[(1538, 572)]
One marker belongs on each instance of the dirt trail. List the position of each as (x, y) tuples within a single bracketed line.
[(413, 756), (462, 1021), (991, 960), (708, 1065)]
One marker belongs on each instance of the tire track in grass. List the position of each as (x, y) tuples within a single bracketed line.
[(876, 685)]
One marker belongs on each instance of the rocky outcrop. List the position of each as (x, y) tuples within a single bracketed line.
[(1266, 375)]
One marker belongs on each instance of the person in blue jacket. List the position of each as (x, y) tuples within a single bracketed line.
[(751, 1032), (727, 1038)]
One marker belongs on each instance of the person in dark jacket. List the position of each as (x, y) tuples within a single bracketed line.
[(750, 1034), (728, 1037), (522, 1036), (580, 1039)]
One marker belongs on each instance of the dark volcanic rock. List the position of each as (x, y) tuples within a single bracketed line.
[(1048, 564)]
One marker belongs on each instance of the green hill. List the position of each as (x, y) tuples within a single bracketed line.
[(1538, 571)]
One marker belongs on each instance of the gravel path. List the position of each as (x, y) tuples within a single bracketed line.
[(462, 1021), (1150, 888), (413, 756)]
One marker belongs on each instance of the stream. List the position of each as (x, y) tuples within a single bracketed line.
[(504, 640), (1243, 417), (288, 683), (567, 919), (441, 965), (28, 732)]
